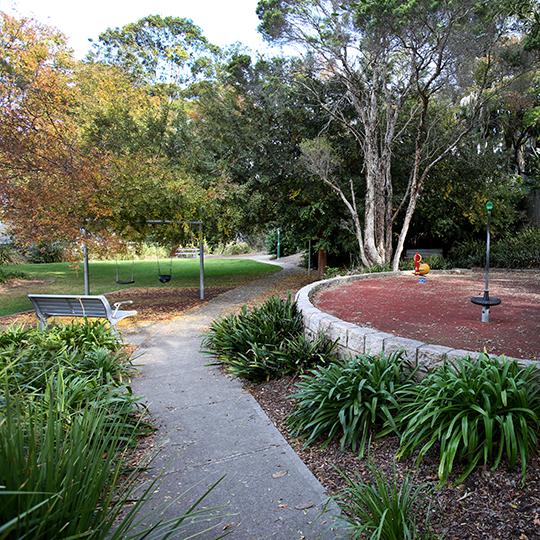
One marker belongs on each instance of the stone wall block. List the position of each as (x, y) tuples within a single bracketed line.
[(408, 346), (430, 356), (356, 339), (375, 342)]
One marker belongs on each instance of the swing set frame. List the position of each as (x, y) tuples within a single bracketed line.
[(155, 222)]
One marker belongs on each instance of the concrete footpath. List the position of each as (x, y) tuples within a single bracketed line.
[(210, 428)]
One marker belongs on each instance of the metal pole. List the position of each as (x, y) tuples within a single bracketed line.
[(201, 248), (485, 308), (309, 259), (278, 244), (201, 259), (86, 267), (486, 289)]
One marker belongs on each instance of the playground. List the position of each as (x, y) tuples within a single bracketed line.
[(440, 311)]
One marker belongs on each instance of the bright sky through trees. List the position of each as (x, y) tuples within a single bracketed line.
[(223, 23)]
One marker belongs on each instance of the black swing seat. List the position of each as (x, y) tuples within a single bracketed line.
[(124, 282), (165, 278)]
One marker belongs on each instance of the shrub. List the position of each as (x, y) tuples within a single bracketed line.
[(266, 342), (348, 398), (9, 254), (63, 475), (232, 248), (46, 253), (287, 244), (6, 275), (521, 250), (476, 410), (382, 509), (435, 263), (66, 423)]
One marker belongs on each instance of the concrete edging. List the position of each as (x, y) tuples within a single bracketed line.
[(354, 339)]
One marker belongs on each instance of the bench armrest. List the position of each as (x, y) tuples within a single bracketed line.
[(118, 304)]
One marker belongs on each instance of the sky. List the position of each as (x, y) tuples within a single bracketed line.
[(223, 22)]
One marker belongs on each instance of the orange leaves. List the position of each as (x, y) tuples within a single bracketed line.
[(48, 183)]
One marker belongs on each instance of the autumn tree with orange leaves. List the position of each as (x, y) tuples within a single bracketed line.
[(49, 185), (84, 152)]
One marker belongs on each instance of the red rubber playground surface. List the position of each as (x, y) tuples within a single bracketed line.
[(440, 311)]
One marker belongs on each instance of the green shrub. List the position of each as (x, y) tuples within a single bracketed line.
[(266, 342), (232, 248), (9, 254), (287, 244), (521, 250), (477, 410), (348, 398), (435, 263), (28, 355), (45, 253), (6, 275), (66, 423), (383, 509), (63, 475)]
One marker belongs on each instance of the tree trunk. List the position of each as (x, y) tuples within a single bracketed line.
[(321, 265)]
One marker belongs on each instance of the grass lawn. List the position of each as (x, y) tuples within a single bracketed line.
[(185, 273)]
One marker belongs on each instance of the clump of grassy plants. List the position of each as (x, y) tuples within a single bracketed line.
[(266, 342), (67, 423), (348, 398), (476, 410), (384, 509)]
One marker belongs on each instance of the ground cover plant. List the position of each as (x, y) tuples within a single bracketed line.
[(265, 342), (475, 410), (68, 421), (520, 250), (350, 399), (380, 508)]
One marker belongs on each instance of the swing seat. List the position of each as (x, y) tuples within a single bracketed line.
[(124, 282), (165, 278)]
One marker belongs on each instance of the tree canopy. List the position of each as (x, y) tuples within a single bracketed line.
[(398, 120), (401, 67)]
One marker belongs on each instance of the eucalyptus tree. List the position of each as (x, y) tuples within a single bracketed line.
[(155, 50), (399, 66)]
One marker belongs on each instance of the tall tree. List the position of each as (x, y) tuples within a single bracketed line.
[(157, 50), (47, 183), (394, 63)]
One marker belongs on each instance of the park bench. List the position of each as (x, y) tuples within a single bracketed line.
[(183, 253), (410, 253), (67, 305)]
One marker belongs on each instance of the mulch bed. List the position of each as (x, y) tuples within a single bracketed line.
[(163, 304), (488, 505), (152, 304)]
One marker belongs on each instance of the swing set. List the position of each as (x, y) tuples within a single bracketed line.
[(132, 280), (162, 276), (166, 277)]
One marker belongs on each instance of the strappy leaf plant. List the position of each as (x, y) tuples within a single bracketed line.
[(477, 410), (266, 342), (381, 508), (67, 422), (62, 477), (348, 398)]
